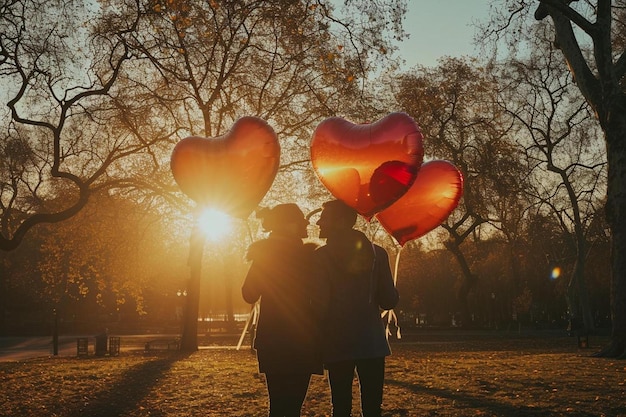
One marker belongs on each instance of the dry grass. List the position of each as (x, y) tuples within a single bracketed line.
[(456, 375)]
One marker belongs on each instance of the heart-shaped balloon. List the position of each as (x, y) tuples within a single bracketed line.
[(368, 166), (430, 200), (231, 173)]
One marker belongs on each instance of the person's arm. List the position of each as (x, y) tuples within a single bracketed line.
[(250, 289), (387, 293), (320, 295)]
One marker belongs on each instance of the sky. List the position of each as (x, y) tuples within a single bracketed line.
[(440, 28)]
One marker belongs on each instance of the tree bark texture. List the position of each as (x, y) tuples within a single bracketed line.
[(603, 91), (469, 281), (616, 216), (189, 338)]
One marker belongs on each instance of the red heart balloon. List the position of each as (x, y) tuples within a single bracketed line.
[(368, 166), (430, 200), (232, 172)]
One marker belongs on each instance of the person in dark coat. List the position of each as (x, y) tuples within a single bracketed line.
[(358, 280), (287, 334)]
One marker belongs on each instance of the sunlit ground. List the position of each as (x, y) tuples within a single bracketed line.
[(456, 374)]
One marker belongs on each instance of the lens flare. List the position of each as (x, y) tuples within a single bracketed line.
[(214, 224), (556, 272)]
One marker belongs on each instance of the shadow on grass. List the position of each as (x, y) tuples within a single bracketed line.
[(492, 407), (135, 384)]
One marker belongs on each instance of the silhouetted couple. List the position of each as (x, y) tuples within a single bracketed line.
[(320, 308)]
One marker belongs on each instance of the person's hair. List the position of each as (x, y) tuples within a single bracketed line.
[(340, 212), (278, 217)]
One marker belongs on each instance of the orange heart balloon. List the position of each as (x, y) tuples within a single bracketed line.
[(231, 173), (368, 166), (430, 200)]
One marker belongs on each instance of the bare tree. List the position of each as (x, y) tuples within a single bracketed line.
[(456, 108), (291, 63), (58, 67), (559, 136), (590, 36), (97, 94)]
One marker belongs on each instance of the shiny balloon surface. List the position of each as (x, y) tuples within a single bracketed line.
[(368, 166), (230, 173), (430, 200)]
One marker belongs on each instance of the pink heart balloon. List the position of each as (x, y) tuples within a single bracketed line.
[(231, 173), (368, 166), (430, 200)]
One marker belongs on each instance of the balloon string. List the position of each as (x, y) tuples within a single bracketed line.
[(391, 315), (251, 319), (395, 271)]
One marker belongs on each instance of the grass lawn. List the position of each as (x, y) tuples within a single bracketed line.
[(450, 374)]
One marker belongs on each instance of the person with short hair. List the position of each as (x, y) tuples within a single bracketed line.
[(286, 339), (358, 282)]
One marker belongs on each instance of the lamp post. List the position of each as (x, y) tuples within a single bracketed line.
[(180, 308), (55, 332)]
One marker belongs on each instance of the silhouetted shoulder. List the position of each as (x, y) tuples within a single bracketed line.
[(258, 249)]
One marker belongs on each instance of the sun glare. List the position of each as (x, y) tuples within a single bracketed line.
[(214, 224)]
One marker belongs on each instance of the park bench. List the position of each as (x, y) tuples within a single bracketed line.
[(163, 344)]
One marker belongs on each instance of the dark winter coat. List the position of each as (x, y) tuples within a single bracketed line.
[(282, 277), (358, 282)]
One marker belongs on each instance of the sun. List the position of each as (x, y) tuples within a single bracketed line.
[(214, 224)]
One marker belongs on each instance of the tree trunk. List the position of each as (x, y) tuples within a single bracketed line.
[(618, 290), (581, 284), (603, 90), (189, 338), (581, 317), (469, 280), (615, 131)]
